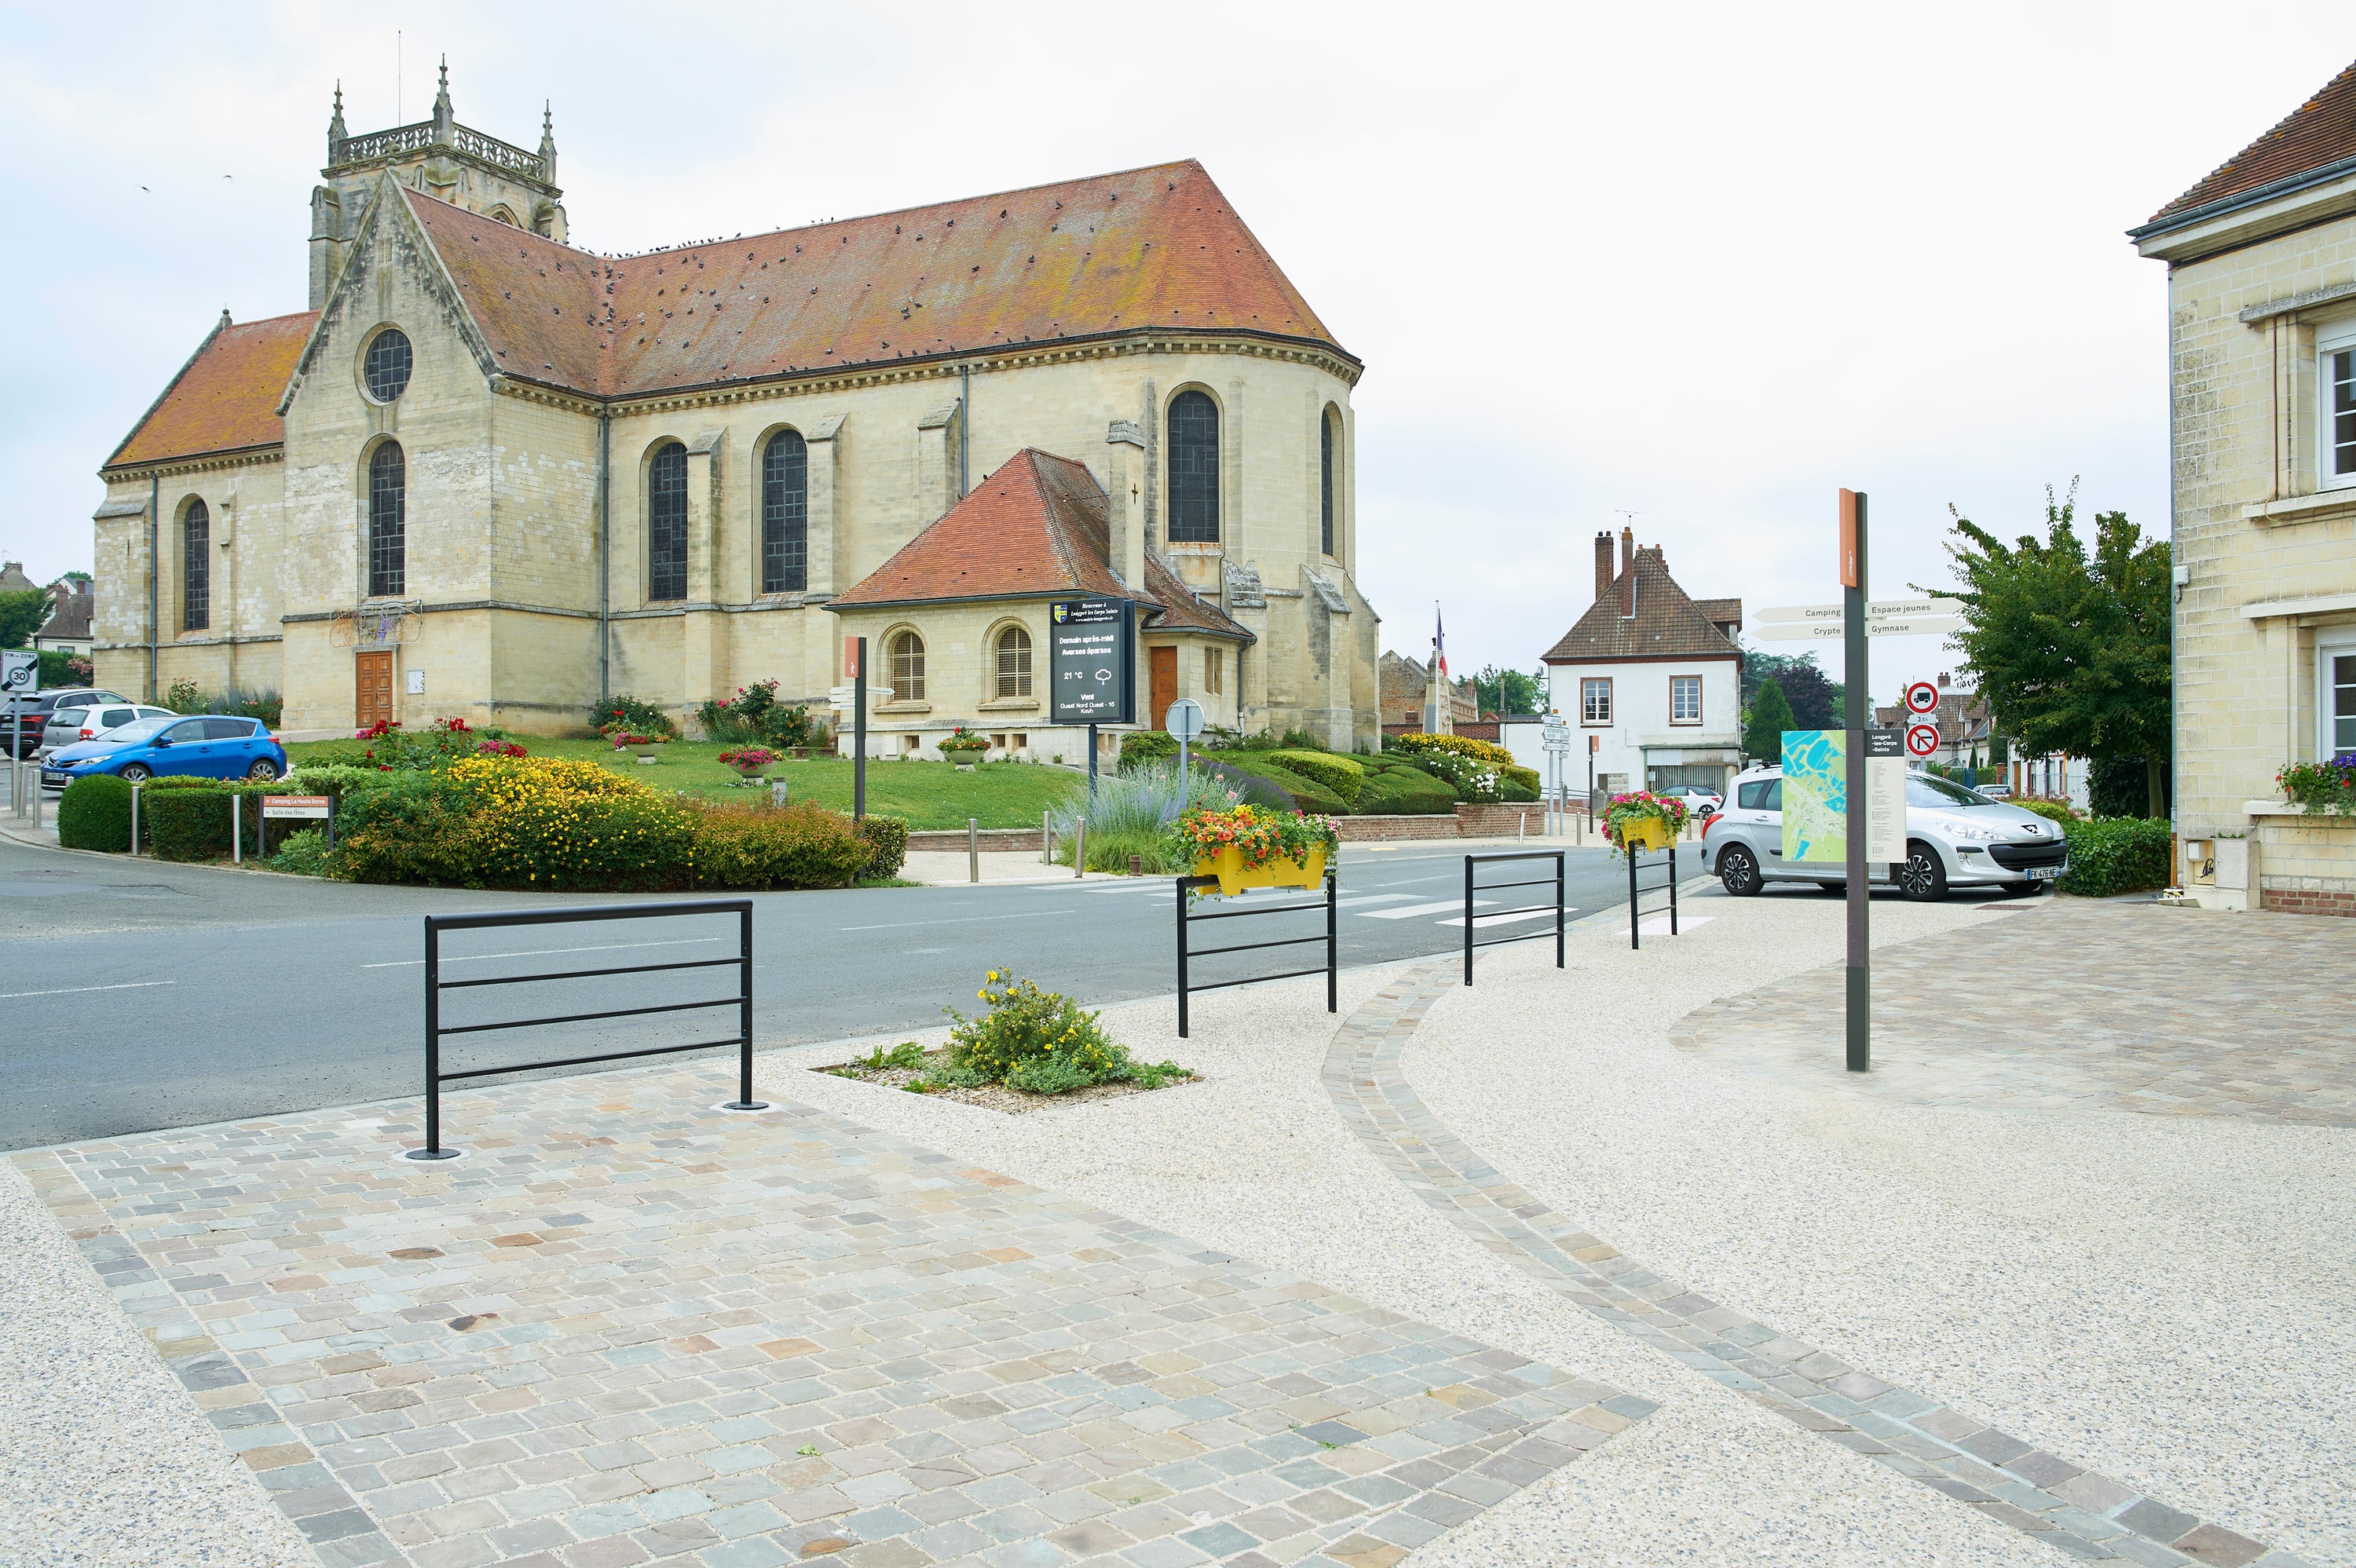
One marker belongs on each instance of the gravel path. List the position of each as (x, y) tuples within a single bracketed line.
[(105, 1461)]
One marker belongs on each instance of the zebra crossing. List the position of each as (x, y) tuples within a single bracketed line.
[(1363, 905)]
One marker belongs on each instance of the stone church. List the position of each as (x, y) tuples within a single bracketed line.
[(489, 475)]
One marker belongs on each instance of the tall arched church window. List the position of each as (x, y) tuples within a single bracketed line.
[(907, 668), (1326, 482), (784, 514), (667, 523), (388, 521), (1014, 662), (1194, 469), (196, 568)]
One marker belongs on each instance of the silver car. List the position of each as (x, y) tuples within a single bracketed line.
[(1955, 838), (69, 726)]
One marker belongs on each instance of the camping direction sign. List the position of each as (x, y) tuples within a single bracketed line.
[(1092, 656)]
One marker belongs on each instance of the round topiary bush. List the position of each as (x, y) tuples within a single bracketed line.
[(95, 813)]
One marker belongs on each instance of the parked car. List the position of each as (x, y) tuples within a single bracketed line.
[(1995, 791), (67, 725), (1700, 800), (37, 709), (1955, 838), (211, 746)]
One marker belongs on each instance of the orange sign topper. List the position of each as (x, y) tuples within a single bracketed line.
[(1851, 504), (850, 652)]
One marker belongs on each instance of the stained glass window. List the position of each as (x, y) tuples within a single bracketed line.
[(386, 365), (1194, 469), (784, 514), (1325, 482), (196, 568), (667, 523), (388, 521)]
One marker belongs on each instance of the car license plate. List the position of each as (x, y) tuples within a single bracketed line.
[(2042, 873)]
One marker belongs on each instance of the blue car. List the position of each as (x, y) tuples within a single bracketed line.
[(210, 747)]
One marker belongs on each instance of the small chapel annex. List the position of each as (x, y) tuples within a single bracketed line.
[(488, 475)]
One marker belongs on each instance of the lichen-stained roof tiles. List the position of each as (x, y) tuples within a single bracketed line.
[(2319, 132), (226, 398), (1039, 526), (1667, 624), (1148, 248)]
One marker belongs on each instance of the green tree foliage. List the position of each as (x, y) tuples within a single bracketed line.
[(2070, 647), (1509, 690), (1815, 697), (21, 615), (1771, 715)]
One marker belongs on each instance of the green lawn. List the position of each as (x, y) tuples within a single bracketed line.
[(928, 795)]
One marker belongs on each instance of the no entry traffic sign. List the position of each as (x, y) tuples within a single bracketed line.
[(1922, 739), (1921, 697)]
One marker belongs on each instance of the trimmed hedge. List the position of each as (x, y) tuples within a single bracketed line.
[(801, 846), (887, 846), (1307, 793), (1142, 746), (1525, 777), (1405, 791), (1460, 745), (95, 813), (2116, 855), (1340, 775), (1250, 787)]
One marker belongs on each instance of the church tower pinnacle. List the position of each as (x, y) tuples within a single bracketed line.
[(548, 141)]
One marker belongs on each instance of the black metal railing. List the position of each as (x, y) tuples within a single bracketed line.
[(1187, 953), (1497, 916), (1636, 863), (435, 1029)]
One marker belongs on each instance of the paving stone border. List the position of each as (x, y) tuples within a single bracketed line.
[(2076, 1511), (630, 1329)]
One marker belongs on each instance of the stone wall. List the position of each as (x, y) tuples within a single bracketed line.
[(2306, 864)]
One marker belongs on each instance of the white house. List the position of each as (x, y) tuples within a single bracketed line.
[(1650, 679)]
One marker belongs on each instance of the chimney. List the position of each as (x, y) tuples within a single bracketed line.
[(1125, 514), (1602, 563), (1628, 571)]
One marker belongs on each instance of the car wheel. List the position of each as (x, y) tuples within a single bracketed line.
[(262, 771), (1922, 879), (137, 772), (1738, 871)]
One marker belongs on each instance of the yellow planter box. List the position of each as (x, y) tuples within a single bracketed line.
[(1645, 833), (1234, 876)]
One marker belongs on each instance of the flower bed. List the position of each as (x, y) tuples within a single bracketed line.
[(2329, 787), (1037, 1043)]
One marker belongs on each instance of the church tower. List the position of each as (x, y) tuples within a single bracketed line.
[(443, 159)]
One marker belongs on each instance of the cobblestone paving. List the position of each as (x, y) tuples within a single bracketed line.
[(629, 1328), (2079, 1513), (2135, 989)]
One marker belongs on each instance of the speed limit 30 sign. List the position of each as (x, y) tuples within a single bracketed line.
[(1922, 739)]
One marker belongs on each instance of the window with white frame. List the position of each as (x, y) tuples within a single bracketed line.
[(2335, 695), (1684, 699), (2336, 400), (1595, 700)]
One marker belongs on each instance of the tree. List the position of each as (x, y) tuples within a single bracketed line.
[(21, 615), (1509, 692), (1771, 715), (1815, 698), (2069, 647)]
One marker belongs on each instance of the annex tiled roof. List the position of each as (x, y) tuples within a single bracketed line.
[(1039, 526), (70, 613), (226, 398), (2319, 132), (1148, 248), (1666, 624)]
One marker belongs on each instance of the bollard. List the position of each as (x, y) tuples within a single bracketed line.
[(1137, 865), (972, 849), (1046, 838), (1521, 828), (236, 829), (135, 819), (1080, 848)]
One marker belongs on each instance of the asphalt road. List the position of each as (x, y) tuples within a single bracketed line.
[(137, 994)]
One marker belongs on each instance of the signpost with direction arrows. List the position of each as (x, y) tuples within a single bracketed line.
[(1883, 618)]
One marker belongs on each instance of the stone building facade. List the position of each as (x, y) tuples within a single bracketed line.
[(2261, 371), (494, 476), (1405, 694)]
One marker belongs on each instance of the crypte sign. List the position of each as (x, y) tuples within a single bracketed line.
[(1091, 648)]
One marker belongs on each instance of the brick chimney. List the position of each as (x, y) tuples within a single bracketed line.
[(1628, 571), (1602, 563)]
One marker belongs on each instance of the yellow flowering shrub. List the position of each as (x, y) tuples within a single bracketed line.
[(1040, 1042)]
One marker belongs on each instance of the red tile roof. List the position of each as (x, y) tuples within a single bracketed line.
[(226, 398), (1039, 527), (1156, 247), (2319, 132), (1667, 625)]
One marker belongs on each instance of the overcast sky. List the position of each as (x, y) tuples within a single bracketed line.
[(1703, 263)]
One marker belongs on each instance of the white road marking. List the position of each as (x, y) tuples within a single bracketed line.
[(1685, 922), (1444, 906), (1479, 920), (538, 952), (78, 990)]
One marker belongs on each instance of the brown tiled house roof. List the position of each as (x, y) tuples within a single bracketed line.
[(1038, 527), (226, 398), (1147, 248), (1667, 624), (2320, 132), (70, 612)]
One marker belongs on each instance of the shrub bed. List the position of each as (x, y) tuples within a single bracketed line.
[(1454, 745), (1401, 791), (1141, 746), (887, 846), (1306, 793), (1041, 1042), (1339, 775), (2116, 855), (95, 813), (778, 846)]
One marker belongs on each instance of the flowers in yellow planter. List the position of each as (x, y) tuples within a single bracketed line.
[(1258, 834), (1649, 820)]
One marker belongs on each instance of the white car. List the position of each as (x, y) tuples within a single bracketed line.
[(1955, 838), (1699, 799)]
